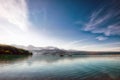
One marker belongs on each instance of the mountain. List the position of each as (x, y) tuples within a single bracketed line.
[(56, 51), (62, 52), (29, 47)]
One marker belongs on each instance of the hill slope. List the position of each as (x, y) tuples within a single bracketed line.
[(10, 50)]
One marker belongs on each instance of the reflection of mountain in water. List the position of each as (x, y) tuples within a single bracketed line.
[(48, 58), (12, 58)]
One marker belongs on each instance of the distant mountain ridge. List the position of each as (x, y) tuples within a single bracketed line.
[(56, 51)]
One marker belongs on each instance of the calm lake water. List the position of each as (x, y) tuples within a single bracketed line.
[(48, 67)]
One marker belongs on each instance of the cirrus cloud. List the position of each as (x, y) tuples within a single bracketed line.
[(105, 20)]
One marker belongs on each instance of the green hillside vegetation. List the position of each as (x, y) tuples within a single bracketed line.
[(10, 50)]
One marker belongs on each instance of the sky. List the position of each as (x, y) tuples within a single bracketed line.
[(89, 25)]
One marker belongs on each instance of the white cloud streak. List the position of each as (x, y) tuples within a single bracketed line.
[(74, 44), (95, 21), (101, 38), (14, 13), (100, 47)]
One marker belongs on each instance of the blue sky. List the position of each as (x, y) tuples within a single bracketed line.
[(69, 24)]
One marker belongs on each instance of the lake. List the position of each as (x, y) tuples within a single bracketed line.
[(49, 67)]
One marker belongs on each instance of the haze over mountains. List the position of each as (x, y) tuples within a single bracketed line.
[(31, 47), (56, 51)]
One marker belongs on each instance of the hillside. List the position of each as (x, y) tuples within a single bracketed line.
[(10, 50)]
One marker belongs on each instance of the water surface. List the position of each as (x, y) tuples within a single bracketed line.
[(49, 67)]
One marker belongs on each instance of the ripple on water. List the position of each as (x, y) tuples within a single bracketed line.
[(66, 68)]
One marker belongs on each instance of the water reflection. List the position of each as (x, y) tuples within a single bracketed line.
[(48, 67), (9, 59)]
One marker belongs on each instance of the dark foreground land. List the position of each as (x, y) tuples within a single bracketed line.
[(10, 50)]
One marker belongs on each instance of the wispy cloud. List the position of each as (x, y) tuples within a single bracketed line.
[(104, 20), (14, 13), (95, 21), (114, 46), (113, 29), (101, 38), (74, 44)]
